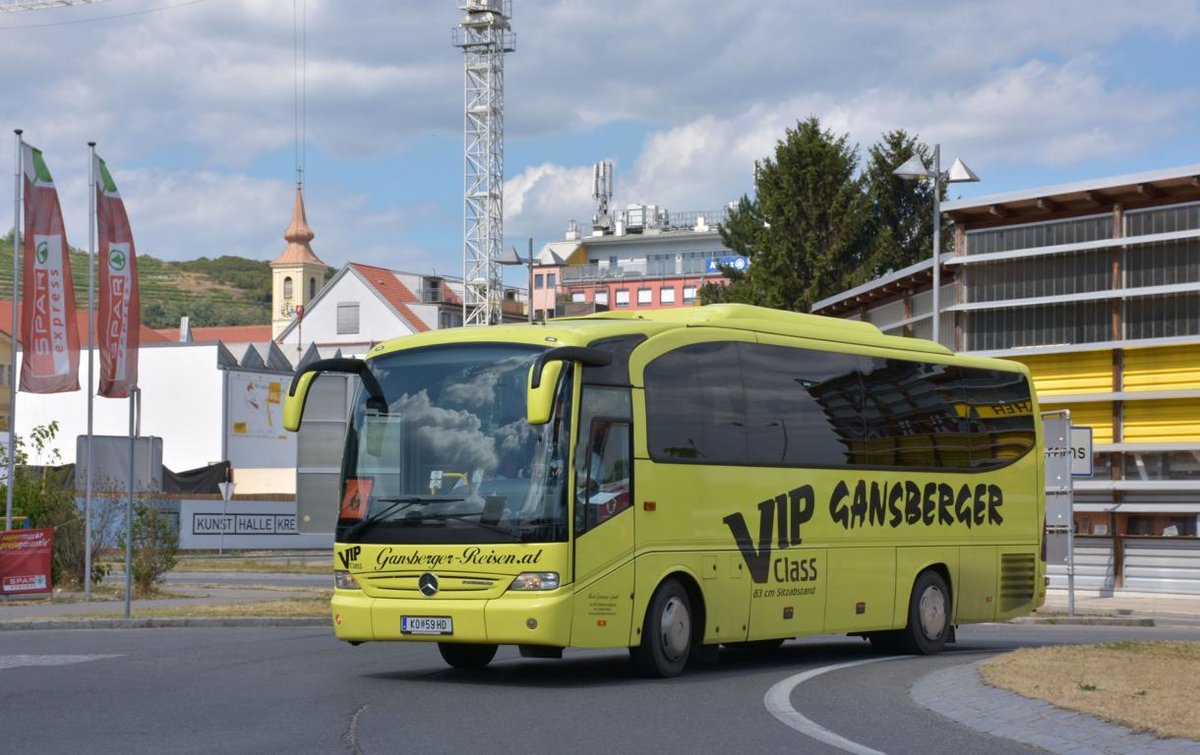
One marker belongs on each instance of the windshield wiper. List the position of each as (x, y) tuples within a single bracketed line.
[(394, 504)]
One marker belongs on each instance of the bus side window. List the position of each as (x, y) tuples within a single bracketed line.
[(603, 476)]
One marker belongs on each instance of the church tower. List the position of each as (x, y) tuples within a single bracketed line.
[(297, 274)]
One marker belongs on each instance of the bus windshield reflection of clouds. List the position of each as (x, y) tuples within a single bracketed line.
[(455, 436)]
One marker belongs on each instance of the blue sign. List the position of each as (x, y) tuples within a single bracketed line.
[(737, 263)]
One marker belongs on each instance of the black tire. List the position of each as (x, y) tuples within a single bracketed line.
[(928, 616), (666, 633), (467, 656)]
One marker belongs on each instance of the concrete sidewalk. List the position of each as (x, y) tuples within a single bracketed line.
[(1121, 605), (65, 610)]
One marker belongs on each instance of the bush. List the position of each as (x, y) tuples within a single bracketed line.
[(155, 548), (45, 495)]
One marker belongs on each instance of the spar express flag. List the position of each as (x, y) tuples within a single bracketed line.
[(118, 320), (49, 338)]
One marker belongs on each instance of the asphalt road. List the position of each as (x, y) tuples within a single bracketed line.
[(260, 690)]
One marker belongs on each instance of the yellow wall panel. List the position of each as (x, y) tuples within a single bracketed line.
[(1167, 421), (1066, 374), (1167, 368), (1096, 415)]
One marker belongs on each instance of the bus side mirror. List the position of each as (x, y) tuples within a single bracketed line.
[(539, 403), (297, 395), (544, 374), (293, 402)]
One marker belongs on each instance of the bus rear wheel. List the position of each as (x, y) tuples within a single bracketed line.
[(666, 633), (467, 656), (928, 616)]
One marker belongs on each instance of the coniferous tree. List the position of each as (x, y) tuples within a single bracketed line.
[(807, 227), (901, 209)]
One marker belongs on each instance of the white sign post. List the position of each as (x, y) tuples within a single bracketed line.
[(1057, 435), (226, 494)]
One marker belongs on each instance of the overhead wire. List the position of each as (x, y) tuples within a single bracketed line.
[(110, 17)]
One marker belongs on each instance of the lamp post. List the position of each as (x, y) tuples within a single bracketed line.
[(914, 170), (513, 258)]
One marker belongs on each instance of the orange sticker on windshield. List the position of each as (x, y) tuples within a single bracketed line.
[(356, 497)]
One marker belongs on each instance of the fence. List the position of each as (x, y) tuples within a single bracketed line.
[(1147, 564)]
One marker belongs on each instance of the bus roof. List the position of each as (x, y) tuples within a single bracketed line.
[(585, 329)]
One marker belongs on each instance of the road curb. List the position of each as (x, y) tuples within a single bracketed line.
[(165, 622), (1158, 620)]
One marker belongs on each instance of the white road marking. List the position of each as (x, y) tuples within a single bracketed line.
[(18, 661), (779, 702)]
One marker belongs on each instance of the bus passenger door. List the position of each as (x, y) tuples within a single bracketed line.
[(603, 534)]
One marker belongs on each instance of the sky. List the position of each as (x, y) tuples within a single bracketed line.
[(193, 104)]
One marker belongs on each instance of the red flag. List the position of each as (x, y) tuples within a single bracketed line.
[(49, 338), (119, 318)]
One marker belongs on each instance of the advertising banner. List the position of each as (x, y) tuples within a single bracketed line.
[(49, 336), (25, 561), (118, 322)]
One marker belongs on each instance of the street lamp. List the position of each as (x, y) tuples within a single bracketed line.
[(914, 170), (513, 258)]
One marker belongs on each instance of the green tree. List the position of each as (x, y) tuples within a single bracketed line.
[(155, 548), (901, 209), (807, 227), (46, 496)]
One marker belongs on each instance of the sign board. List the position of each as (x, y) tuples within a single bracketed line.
[(254, 434), (1056, 431), (25, 561), (1081, 452), (737, 263), (243, 524), (110, 455)]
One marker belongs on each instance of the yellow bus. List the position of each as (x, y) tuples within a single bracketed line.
[(678, 480)]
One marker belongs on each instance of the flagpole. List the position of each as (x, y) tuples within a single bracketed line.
[(87, 506), (12, 366), (133, 393)]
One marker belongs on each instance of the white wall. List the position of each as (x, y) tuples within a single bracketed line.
[(182, 403), (376, 321)]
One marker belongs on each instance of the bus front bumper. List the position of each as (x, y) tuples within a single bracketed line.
[(515, 618)]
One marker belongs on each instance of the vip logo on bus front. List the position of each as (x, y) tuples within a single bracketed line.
[(867, 504)]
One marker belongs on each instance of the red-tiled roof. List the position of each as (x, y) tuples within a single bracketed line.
[(146, 335), (450, 296), (230, 334), (392, 290)]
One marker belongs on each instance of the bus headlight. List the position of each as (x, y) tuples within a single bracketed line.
[(535, 580), (344, 580)]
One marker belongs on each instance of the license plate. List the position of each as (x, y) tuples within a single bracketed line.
[(426, 625)]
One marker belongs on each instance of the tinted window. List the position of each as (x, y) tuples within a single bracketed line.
[(802, 407), (616, 372), (696, 405), (739, 403)]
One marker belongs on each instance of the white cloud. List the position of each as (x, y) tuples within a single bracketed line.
[(199, 100), (1033, 113)]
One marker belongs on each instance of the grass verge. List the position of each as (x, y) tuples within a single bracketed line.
[(1146, 686), (293, 607)]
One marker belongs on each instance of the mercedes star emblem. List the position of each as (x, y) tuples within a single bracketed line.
[(428, 584)]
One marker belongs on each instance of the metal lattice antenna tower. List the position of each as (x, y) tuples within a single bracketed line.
[(484, 36), (9, 6)]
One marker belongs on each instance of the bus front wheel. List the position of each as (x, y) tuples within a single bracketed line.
[(666, 633), (928, 616), (467, 656)]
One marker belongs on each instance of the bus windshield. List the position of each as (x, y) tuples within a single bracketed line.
[(446, 455)]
